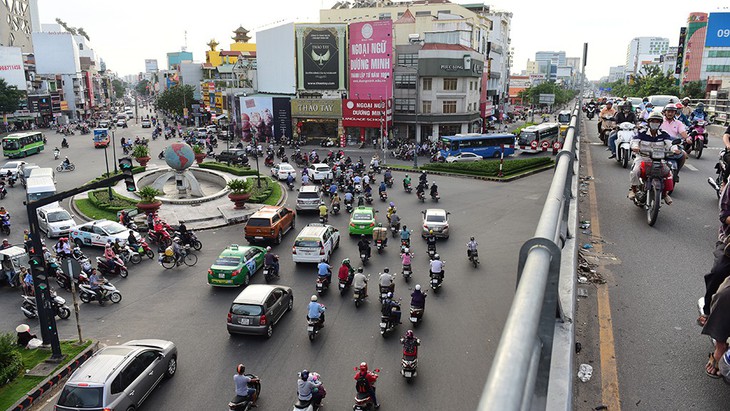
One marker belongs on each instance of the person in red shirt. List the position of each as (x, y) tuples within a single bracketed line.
[(365, 382), (346, 272)]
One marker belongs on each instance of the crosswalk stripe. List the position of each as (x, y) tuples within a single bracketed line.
[(691, 167)]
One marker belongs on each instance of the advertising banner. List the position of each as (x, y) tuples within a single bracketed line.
[(257, 118), (680, 50), (365, 113), (371, 47), (316, 108), (718, 30), (11, 67), (321, 56), (282, 117), (150, 66)]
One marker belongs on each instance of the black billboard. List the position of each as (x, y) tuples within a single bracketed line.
[(321, 59), (282, 117)]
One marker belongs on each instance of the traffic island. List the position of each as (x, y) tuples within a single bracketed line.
[(26, 390), (512, 169)]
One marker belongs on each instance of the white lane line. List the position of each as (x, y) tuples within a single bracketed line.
[(691, 167)]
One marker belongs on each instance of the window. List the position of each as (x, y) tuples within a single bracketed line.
[(450, 84), (384, 16), (449, 107), (405, 105), (408, 59), (426, 107), (405, 81), (719, 53), (427, 83), (718, 69)]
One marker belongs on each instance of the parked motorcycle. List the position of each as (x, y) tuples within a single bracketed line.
[(108, 293), (58, 304), (246, 404), (626, 133)]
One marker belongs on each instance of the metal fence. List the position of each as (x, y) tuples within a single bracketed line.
[(718, 109), (526, 366)]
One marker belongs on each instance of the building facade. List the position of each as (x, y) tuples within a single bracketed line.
[(643, 51), (16, 23), (694, 47), (716, 55), (548, 63)]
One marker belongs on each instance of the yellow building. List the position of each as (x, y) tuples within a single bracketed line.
[(240, 47)]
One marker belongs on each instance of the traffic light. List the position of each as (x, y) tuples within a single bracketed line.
[(38, 271), (125, 165)]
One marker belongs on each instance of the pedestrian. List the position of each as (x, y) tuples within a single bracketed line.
[(721, 265)]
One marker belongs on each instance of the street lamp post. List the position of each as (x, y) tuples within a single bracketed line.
[(114, 153)]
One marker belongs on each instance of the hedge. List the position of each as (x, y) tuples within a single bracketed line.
[(11, 362), (259, 195), (231, 169), (490, 168), (100, 200)]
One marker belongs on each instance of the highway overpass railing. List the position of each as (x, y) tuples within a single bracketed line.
[(533, 366)]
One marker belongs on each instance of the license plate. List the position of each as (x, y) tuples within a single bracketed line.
[(221, 276), (362, 226), (434, 281), (414, 319), (243, 321), (259, 238), (382, 325), (407, 373), (310, 328), (406, 272)]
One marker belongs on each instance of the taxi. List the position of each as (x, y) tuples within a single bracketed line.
[(235, 266), (362, 221)]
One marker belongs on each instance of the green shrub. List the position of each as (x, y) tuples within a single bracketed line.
[(235, 170), (100, 200), (11, 362), (260, 195), (519, 129), (490, 168)]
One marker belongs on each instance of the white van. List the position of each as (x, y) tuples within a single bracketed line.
[(43, 172), (40, 187), (316, 242)]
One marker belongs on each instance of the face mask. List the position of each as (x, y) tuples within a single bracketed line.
[(654, 126), (649, 109)]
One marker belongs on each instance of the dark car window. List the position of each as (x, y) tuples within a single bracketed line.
[(271, 300), (147, 358), (277, 293), (85, 229), (80, 397), (275, 219), (246, 309), (258, 222), (308, 195)]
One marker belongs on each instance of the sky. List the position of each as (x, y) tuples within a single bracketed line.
[(127, 33)]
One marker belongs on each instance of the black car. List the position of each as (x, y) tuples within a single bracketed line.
[(235, 156)]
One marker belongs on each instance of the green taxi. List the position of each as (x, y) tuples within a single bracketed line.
[(362, 221), (235, 266)]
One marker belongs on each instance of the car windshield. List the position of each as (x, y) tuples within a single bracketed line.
[(362, 217), (228, 261), (246, 309), (258, 222), (80, 397), (57, 216), (662, 100), (435, 218), (10, 145), (114, 228), (307, 243), (308, 195)]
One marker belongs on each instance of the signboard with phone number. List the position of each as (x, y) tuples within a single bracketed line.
[(718, 30)]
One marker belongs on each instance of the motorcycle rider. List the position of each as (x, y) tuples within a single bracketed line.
[(243, 390), (675, 129), (410, 343), (386, 280), (406, 257), (388, 175), (323, 211), (325, 270), (132, 240), (680, 115), (380, 233), (365, 382), (471, 246), (418, 297), (654, 134), (391, 210), (272, 260), (406, 181), (394, 220), (382, 189), (437, 266), (420, 188), (423, 178), (95, 283), (360, 282), (699, 114), (391, 308), (335, 201), (405, 235), (66, 163), (315, 310), (309, 388), (364, 245), (345, 272), (607, 112), (62, 248), (431, 240), (348, 198), (626, 115), (56, 153), (434, 189), (289, 179), (64, 143)]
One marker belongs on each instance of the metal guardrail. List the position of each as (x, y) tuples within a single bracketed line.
[(718, 109), (520, 373)]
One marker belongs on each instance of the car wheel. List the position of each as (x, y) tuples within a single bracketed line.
[(171, 367), (78, 242), (246, 280), (269, 331), (291, 304), (131, 408)]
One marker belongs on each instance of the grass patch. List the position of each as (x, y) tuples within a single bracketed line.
[(519, 129), (88, 209), (268, 193), (231, 169), (275, 195), (19, 387), (490, 168)]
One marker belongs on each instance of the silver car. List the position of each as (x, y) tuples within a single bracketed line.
[(435, 219), (257, 308), (119, 377)]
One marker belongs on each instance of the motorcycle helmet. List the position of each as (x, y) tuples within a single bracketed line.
[(409, 334), (648, 104), (430, 232), (627, 105), (380, 224), (364, 367), (679, 106), (405, 228), (390, 295), (346, 261), (268, 248), (669, 107), (645, 99), (304, 375), (700, 105), (392, 204), (176, 239), (313, 298), (362, 235), (686, 101), (472, 239), (655, 115), (240, 368), (359, 270), (386, 270), (418, 287), (436, 257)]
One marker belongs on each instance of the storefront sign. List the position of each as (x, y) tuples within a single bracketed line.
[(371, 46), (316, 108), (449, 67), (365, 113)]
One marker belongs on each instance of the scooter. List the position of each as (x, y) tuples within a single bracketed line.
[(416, 315), (309, 405), (651, 184), (130, 255), (380, 245), (246, 404), (358, 296), (407, 271), (431, 251), (118, 267), (345, 284), (698, 137), (270, 273), (58, 304), (408, 188), (290, 185), (363, 400), (387, 324), (5, 224), (473, 257), (56, 154), (323, 284), (314, 325), (395, 229), (626, 133), (435, 196), (348, 207), (436, 280), (384, 196), (108, 293), (323, 219), (364, 257), (409, 362)]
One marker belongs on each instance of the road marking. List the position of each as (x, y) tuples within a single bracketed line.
[(691, 167), (609, 372)]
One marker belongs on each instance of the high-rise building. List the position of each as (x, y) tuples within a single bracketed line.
[(616, 73), (643, 51), (548, 63), (694, 47), (16, 24)]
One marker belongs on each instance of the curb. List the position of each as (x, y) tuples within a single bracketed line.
[(485, 178), (77, 213), (49, 383)]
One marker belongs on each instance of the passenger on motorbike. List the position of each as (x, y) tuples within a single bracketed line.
[(345, 272), (606, 113), (681, 116), (395, 221), (386, 280), (388, 175), (365, 382), (364, 245), (243, 390), (675, 129), (418, 297), (643, 142), (335, 199), (410, 343), (360, 281), (380, 233), (382, 187), (471, 246), (309, 388), (272, 260), (315, 310), (626, 115), (323, 210), (391, 308), (325, 270), (437, 266)]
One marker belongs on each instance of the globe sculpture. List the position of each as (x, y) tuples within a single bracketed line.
[(179, 156)]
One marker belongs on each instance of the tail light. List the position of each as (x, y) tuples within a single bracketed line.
[(372, 224), (210, 272), (321, 250), (235, 273), (262, 319), (352, 224), (293, 250), (425, 226), (272, 231), (230, 317)]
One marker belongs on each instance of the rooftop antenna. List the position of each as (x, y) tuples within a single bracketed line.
[(185, 46)]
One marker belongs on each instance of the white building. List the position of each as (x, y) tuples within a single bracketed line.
[(643, 51), (616, 73), (548, 62)]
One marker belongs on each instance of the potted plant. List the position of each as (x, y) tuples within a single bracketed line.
[(142, 154), (199, 153), (240, 192), (148, 201)]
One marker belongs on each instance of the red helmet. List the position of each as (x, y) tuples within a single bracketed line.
[(679, 106), (363, 367), (240, 368), (409, 333)]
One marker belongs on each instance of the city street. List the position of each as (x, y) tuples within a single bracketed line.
[(654, 278), (459, 335)]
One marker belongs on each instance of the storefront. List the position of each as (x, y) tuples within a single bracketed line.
[(317, 118), (366, 120)]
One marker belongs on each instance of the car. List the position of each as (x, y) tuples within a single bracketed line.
[(362, 221), (12, 166), (435, 219), (122, 123), (309, 198), (55, 221), (98, 232), (119, 377), (201, 132), (236, 265), (146, 123), (211, 129), (635, 102), (24, 172), (316, 242), (258, 308), (104, 124), (282, 170), (464, 157), (319, 172), (659, 101), (269, 223), (235, 156)]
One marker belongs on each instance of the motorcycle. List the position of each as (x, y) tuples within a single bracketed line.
[(358, 295), (12, 178), (363, 400), (323, 219), (384, 196), (722, 169), (64, 167), (336, 208), (314, 325), (380, 245), (108, 293), (697, 138), (290, 185), (395, 229), (246, 404), (626, 133), (436, 280), (435, 196), (309, 405), (652, 181), (3, 191), (590, 112), (416, 315), (145, 249), (473, 257), (387, 324), (405, 243), (431, 251), (323, 284), (421, 196), (409, 362), (384, 290), (368, 198), (364, 257), (58, 304), (348, 207), (270, 273), (116, 267), (64, 144), (408, 188), (345, 284), (56, 153), (5, 225), (129, 255), (407, 272), (610, 122), (389, 182)]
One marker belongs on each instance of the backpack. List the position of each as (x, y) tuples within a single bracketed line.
[(362, 384)]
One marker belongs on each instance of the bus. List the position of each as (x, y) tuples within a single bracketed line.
[(564, 120), (23, 144), (101, 137), (539, 137), (485, 145)]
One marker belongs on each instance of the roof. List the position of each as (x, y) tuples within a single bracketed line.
[(255, 293), (266, 211), (407, 17), (479, 136), (230, 53), (444, 46)]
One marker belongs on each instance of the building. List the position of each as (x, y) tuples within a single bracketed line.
[(531, 67), (19, 19), (694, 47), (668, 61), (616, 73), (643, 51), (517, 84), (239, 47), (716, 54), (548, 62), (176, 57)]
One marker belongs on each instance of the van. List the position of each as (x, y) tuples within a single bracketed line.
[(25, 171), (316, 242), (309, 198), (269, 223), (44, 172), (40, 187)]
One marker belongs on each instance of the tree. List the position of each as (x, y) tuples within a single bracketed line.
[(649, 81), (73, 30), (694, 90), (175, 98), (118, 86), (142, 87), (531, 95), (9, 97)]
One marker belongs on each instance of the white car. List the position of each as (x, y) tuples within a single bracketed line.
[(282, 170), (121, 122), (464, 157), (98, 232), (436, 219), (55, 221), (12, 166), (146, 124), (201, 132), (319, 172)]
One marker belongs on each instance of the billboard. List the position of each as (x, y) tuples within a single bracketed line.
[(371, 46), (276, 74), (321, 56), (282, 117), (365, 113), (257, 118), (680, 50), (55, 53), (11, 67), (150, 66), (316, 108), (718, 30)]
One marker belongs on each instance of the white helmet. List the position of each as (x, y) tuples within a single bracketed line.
[(314, 298), (418, 287)]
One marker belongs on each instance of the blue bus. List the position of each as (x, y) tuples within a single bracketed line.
[(485, 145)]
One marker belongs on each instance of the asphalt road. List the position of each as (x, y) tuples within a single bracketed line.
[(654, 279), (459, 335)]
